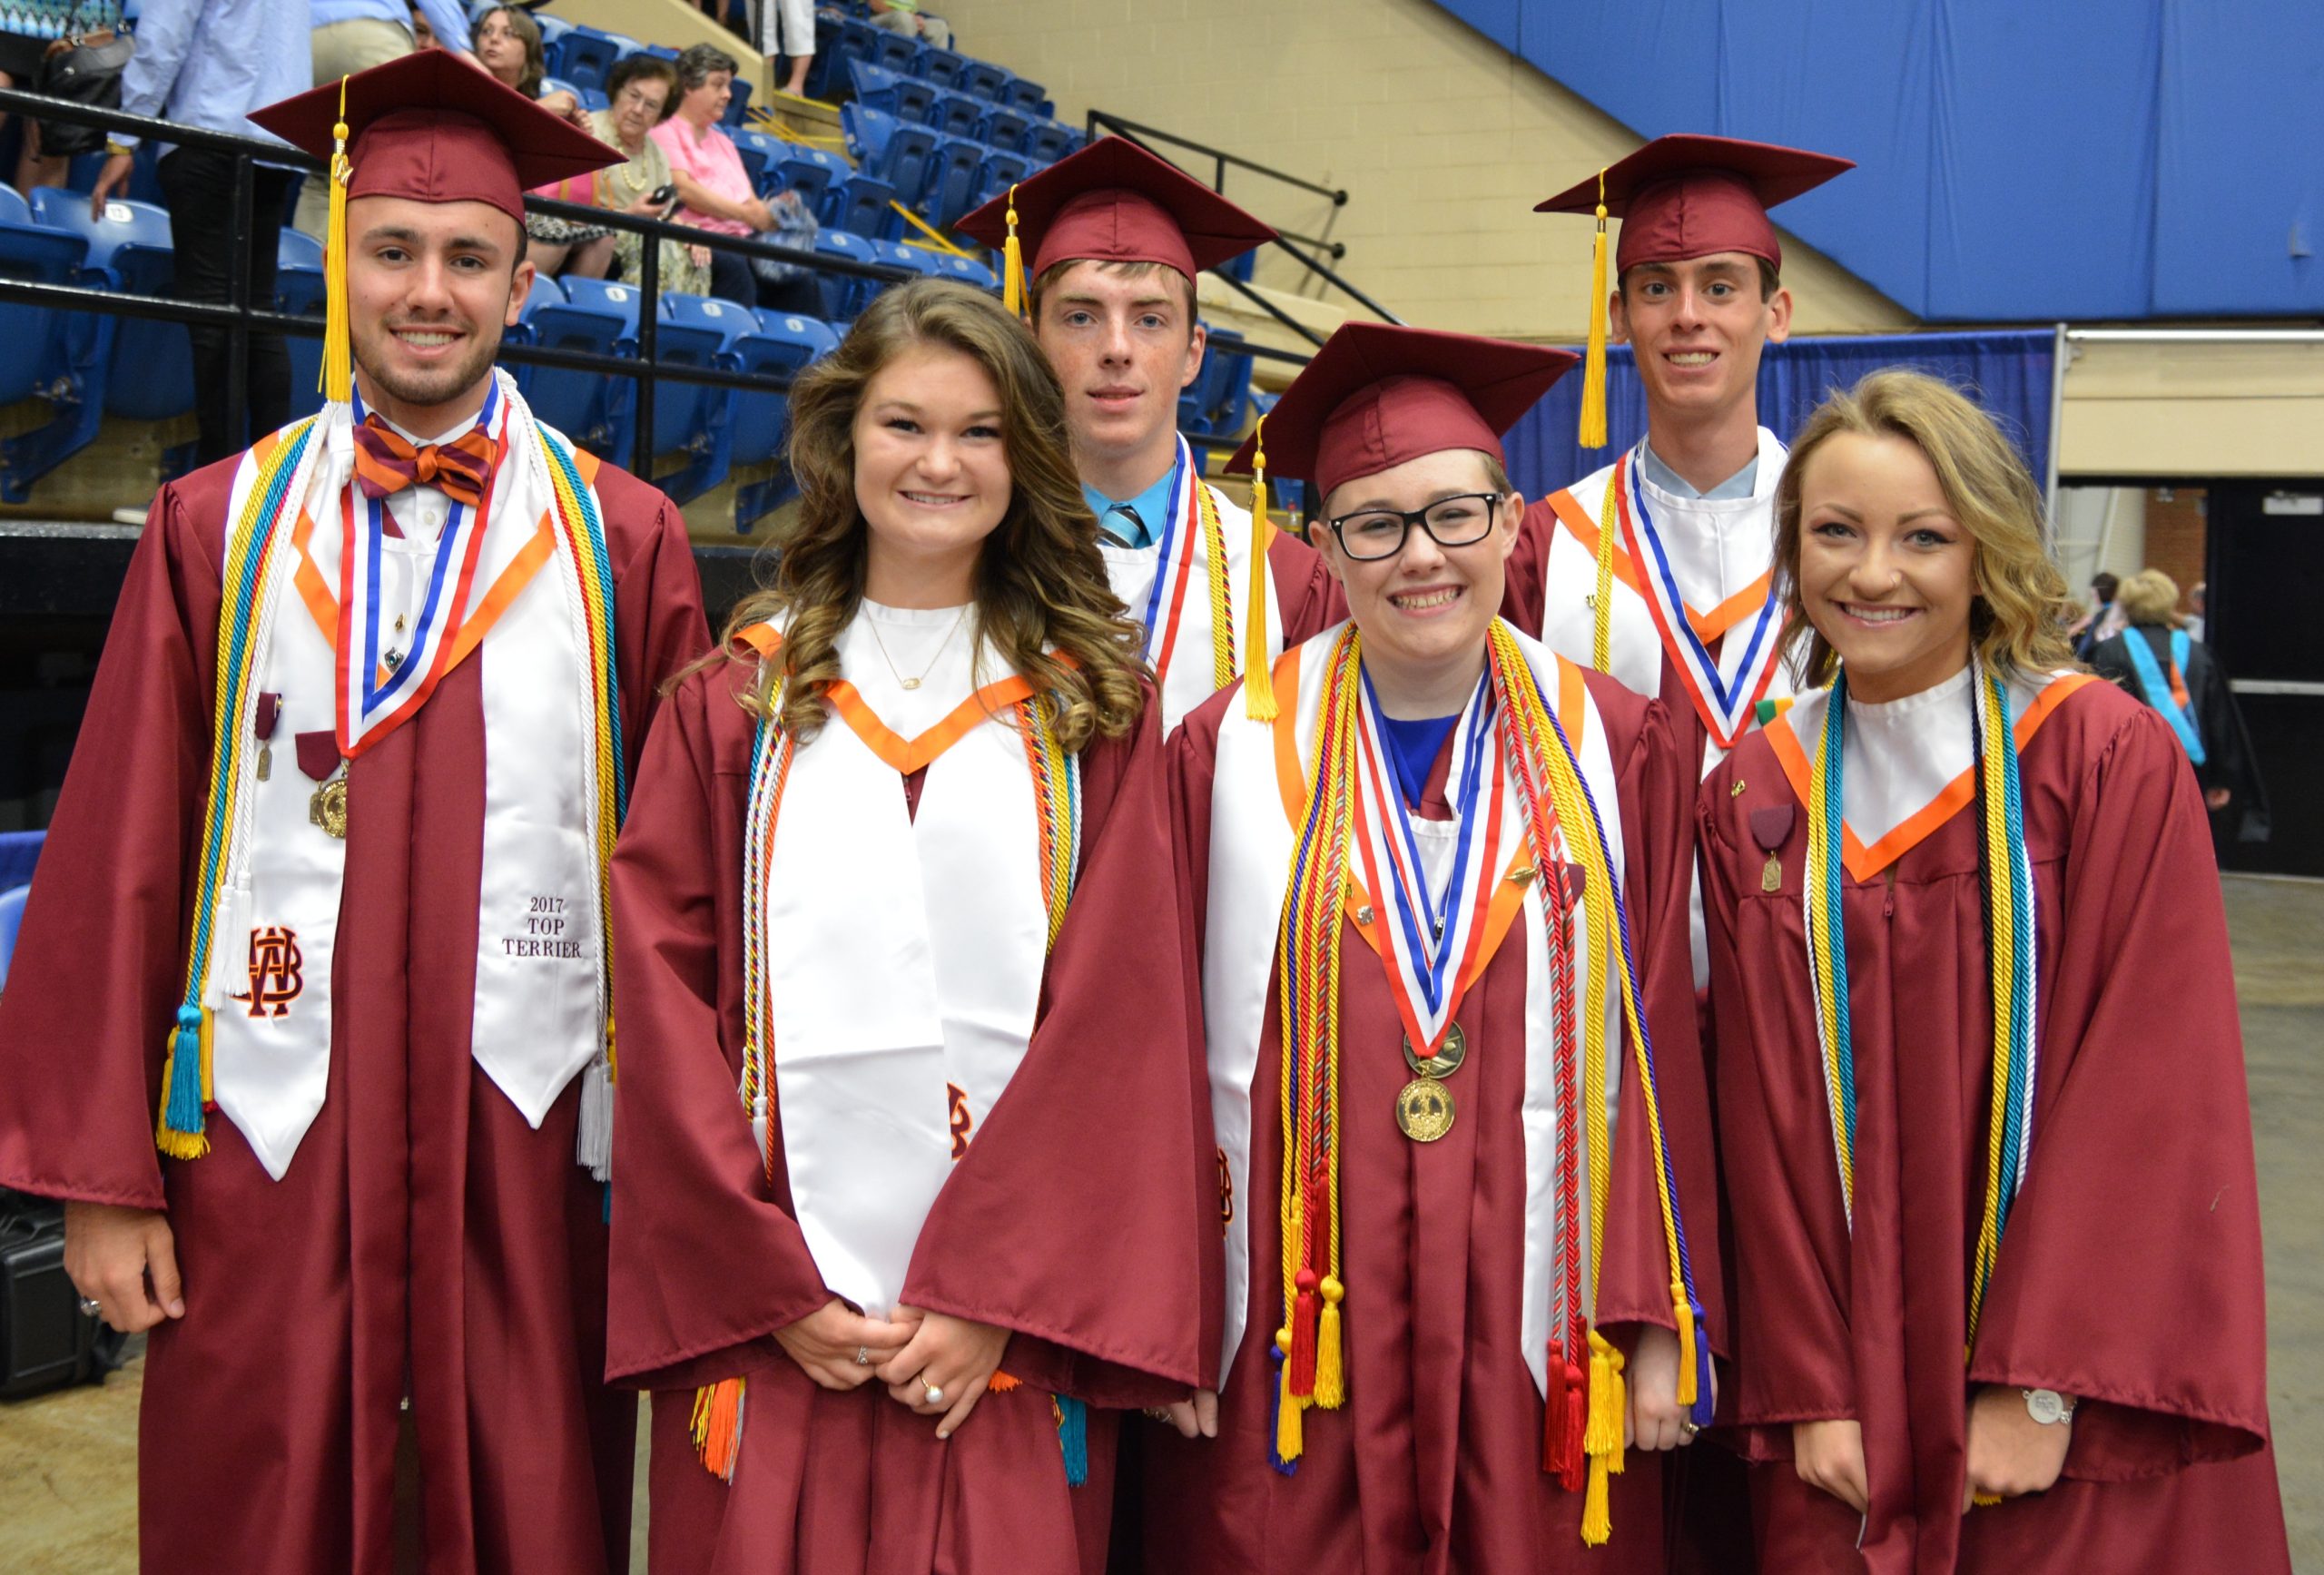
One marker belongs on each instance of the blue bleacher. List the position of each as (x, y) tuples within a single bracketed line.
[(894, 50), (1027, 98), (1001, 169), (38, 256), (810, 172), (905, 97), (827, 74), (890, 150), (862, 205), (298, 292), (553, 28), (759, 425), (966, 270), (1218, 405), (1046, 141), (583, 56), (952, 181), (984, 80), (590, 407), (738, 106), (941, 67), (956, 114), (691, 419), (1004, 128), (844, 295), (903, 254), (758, 150)]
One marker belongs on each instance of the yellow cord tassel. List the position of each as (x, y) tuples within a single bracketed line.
[(1012, 265), (338, 354), (1289, 1439), (1602, 1437), (1331, 1370), (169, 1140), (717, 1426), (1593, 367), (1259, 676), (1597, 1520), (1684, 1312)]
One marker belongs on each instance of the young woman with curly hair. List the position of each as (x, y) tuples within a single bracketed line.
[(913, 1184), (1982, 1107)]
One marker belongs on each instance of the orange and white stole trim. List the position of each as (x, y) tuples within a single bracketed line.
[(1192, 590), (540, 1004), (1258, 799)]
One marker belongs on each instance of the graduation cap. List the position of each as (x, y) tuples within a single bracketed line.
[(1115, 202), (1377, 395), (430, 127), (1680, 197)]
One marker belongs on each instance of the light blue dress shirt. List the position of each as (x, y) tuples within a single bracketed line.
[(1152, 508), (210, 63), (1738, 485), (449, 21)]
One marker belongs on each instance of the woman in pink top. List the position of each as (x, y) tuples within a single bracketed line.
[(714, 191)]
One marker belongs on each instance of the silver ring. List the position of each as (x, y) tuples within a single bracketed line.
[(935, 1395), (90, 1307), (1688, 1430), (864, 1355)]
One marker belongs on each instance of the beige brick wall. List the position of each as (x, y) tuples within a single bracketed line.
[(1443, 140)]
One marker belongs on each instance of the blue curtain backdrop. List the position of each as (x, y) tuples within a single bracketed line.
[(2007, 372)]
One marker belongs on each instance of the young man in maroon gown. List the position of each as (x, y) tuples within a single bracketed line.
[(1452, 1437), (376, 1246), (2111, 1413)]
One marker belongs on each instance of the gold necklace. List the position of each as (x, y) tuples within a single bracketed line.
[(958, 618)]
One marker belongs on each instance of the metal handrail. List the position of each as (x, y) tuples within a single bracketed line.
[(1222, 158)]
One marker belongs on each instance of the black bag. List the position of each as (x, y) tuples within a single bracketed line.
[(45, 1340), (82, 67)]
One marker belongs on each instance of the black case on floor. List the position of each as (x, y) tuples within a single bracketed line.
[(45, 1340)]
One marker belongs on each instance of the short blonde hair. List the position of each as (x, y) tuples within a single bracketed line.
[(2020, 607), (2150, 597)]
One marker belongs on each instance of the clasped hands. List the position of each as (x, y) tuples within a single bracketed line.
[(2009, 1453), (916, 1354)]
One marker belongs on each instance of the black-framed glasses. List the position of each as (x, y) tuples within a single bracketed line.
[(1372, 533)]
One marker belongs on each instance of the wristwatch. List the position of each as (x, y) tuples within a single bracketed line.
[(2047, 1406)]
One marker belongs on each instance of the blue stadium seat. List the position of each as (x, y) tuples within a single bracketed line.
[(759, 423), (1046, 141), (1027, 97), (844, 295), (903, 254), (941, 67), (956, 114), (39, 362), (810, 172), (894, 50), (967, 271), (889, 149), (691, 419), (1218, 407), (592, 408), (12, 919), (1001, 169), (759, 149), (1004, 128), (553, 28), (584, 56), (298, 291), (984, 80), (952, 181), (862, 205), (738, 107), (835, 45), (905, 97), (624, 47)]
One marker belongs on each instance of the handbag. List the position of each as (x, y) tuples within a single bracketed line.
[(82, 67)]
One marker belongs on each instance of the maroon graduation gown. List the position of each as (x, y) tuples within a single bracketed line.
[(2129, 1274), (1079, 1219), (425, 1241), (1434, 1463)]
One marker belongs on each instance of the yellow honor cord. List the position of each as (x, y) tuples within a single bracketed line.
[(1258, 678), (1601, 604), (1012, 264), (1593, 367), (337, 372)]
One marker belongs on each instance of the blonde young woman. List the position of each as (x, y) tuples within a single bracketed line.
[(1980, 1087), (909, 1176)]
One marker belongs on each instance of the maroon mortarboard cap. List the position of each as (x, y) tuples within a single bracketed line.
[(1377, 395), (433, 128), (1688, 196), (1116, 202)]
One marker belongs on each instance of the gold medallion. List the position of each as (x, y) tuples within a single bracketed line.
[(1424, 1109), (1448, 1057), (1771, 875), (328, 808)]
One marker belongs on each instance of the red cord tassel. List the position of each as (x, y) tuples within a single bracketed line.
[(1573, 1462), (1304, 1313), (1555, 1399)]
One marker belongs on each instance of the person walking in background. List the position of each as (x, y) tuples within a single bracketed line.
[(1980, 1078), (2101, 622), (326, 887), (912, 1180), (210, 63), (2155, 659)]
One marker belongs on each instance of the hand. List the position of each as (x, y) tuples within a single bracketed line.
[(2216, 798), (1196, 1417), (757, 214), (827, 1341), (953, 1355), (1830, 1456), (2009, 1453), (645, 207), (112, 181), (126, 1260), (1656, 1419), (699, 256)]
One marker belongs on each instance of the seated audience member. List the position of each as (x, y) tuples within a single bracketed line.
[(508, 48), (906, 17), (26, 29), (716, 195), (644, 89)]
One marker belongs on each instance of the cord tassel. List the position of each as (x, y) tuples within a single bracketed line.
[(1560, 1408), (1258, 676), (337, 374), (1603, 1438), (593, 1143), (1073, 1439), (717, 1426), (1597, 1523), (1683, 1311), (1288, 1442), (1304, 1312), (1593, 366), (1012, 265), (185, 1087), (1705, 1400), (1331, 1374)]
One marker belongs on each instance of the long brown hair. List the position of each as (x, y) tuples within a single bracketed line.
[(2019, 607), (528, 33), (1042, 598)]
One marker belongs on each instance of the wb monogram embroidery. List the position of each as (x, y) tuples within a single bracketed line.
[(962, 1120), (275, 976)]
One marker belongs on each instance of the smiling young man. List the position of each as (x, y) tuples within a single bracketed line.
[(1449, 1270), (325, 888), (1115, 237)]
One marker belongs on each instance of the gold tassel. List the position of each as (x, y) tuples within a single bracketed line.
[(1259, 677), (1597, 1521), (1012, 264), (1331, 1373), (188, 1141), (1602, 1435), (1593, 367), (1289, 1439), (1686, 1320), (337, 355)]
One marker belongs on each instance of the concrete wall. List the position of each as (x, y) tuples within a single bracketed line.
[(1443, 140), (2194, 409)]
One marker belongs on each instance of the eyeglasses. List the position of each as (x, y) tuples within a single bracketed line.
[(1373, 534)]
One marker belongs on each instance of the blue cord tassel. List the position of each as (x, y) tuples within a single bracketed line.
[(1703, 1407), (1073, 1438), (182, 1114)]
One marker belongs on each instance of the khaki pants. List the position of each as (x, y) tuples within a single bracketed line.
[(343, 49), (935, 30)]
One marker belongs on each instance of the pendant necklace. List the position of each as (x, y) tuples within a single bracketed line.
[(914, 683)]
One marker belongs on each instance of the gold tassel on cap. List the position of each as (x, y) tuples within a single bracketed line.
[(337, 372), (1593, 367), (1258, 678), (1012, 263)]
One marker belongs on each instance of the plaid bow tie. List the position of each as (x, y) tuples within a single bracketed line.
[(386, 464)]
